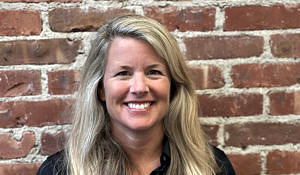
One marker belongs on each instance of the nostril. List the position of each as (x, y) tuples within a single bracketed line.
[(139, 88)]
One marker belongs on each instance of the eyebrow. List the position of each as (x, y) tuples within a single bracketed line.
[(148, 67), (154, 66), (125, 67)]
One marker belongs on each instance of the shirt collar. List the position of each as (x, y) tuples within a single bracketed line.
[(165, 158)]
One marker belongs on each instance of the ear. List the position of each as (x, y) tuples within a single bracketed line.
[(101, 93)]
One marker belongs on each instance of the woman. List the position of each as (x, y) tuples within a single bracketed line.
[(136, 110)]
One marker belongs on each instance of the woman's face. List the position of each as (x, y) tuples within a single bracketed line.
[(136, 86)]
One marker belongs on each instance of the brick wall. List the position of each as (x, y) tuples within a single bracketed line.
[(245, 56)]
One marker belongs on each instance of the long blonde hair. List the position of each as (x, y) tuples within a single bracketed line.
[(92, 150)]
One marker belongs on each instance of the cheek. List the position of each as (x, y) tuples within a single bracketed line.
[(164, 90), (114, 91)]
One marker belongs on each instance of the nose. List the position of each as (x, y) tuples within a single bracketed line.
[(139, 85)]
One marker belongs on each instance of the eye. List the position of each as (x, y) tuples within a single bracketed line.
[(123, 73), (154, 72)]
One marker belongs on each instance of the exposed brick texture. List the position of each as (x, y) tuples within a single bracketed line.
[(285, 45), (50, 51), (35, 113), (19, 82), (256, 17), (12, 148), (76, 19), (284, 102), (183, 18), (243, 57), (283, 162), (224, 47), (265, 75), (242, 135), (12, 22), (207, 77), (248, 164), (63, 81), (231, 105), (211, 131), (51, 143), (19, 168)]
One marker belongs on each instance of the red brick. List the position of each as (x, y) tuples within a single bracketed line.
[(283, 162), (242, 135), (265, 75), (183, 18), (207, 77), (255, 17), (12, 22), (76, 19), (285, 45), (35, 113), (11, 148), (230, 105), (211, 131), (63, 81), (248, 164), (224, 47), (19, 83), (19, 168), (284, 102), (50, 51), (52, 143)]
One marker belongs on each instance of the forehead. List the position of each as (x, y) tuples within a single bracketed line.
[(134, 51)]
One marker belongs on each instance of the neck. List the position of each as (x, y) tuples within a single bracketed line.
[(142, 147)]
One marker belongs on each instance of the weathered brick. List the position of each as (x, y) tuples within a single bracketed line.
[(223, 47), (207, 77), (49, 51), (265, 75), (19, 83), (76, 19), (284, 102), (35, 113), (183, 18), (283, 162), (230, 105), (63, 81), (285, 45), (19, 168), (242, 135), (255, 17), (211, 131), (12, 22), (11, 148), (52, 143), (248, 164)]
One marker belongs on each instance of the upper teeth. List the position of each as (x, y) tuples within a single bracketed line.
[(138, 106)]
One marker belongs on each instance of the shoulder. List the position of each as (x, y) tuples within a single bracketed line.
[(223, 162), (53, 165)]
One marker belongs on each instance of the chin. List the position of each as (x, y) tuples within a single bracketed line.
[(140, 128)]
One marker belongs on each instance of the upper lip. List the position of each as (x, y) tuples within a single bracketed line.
[(144, 101)]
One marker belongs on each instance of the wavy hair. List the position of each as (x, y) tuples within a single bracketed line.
[(92, 150)]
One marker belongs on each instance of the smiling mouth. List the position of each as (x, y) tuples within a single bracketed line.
[(139, 105)]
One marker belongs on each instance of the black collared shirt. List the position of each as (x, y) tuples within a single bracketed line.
[(54, 162), (165, 159)]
